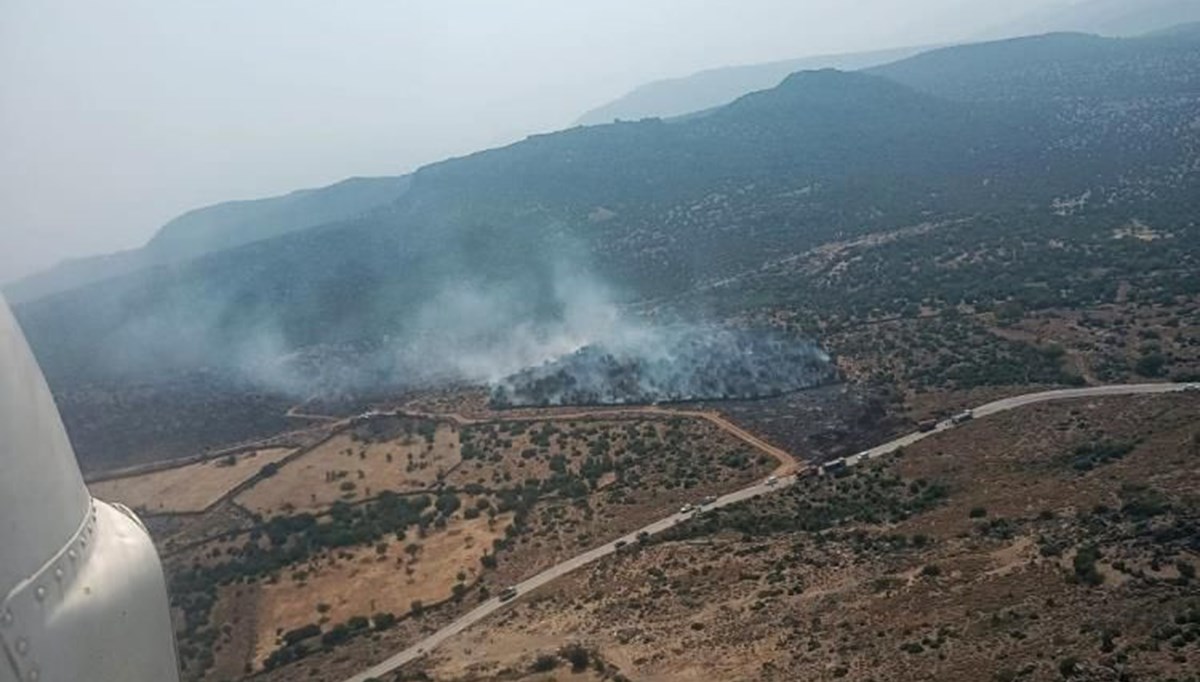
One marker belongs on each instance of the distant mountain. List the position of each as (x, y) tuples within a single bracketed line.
[(659, 205), (717, 87), (510, 219), (487, 259), (1187, 31), (1055, 67), (1119, 18), (215, 228), (233, 223)]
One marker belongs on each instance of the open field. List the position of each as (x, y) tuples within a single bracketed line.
[(438, 509), (599, 478), (363, 581), (1056, 540), (406, 456), (190, 488)]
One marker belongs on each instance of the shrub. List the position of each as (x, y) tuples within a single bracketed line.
[(1151, 365), (338, 634), (384, 620), (292, 636), (1187, 571), (1068, 667), (544, 663), (577, 656), (1085, 565)]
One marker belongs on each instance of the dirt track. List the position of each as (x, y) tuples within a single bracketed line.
[(494, 604), (787, 462)]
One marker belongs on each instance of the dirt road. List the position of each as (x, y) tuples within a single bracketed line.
[(494, 604)]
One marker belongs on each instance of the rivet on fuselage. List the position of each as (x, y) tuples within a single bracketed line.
[(22, 646), (40, 593), (6, 618)]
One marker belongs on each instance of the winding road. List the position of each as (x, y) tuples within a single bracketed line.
[(494, 604)]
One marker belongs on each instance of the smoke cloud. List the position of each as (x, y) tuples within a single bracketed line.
[(677, 363), (521, 311)]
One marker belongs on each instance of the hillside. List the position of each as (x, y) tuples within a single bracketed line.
[(1056, 67), (230, 224), (215, 228), (493, 217), (1105, 17), (1050, 544), (717, 87), (811, 203)]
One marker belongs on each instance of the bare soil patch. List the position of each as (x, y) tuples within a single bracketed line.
[(363, 581), (189, 488), (350, 467)]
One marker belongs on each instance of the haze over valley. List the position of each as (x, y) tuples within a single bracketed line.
[(875, 365)]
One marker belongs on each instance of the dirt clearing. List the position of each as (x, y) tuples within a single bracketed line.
[(363, 581), (351, 467), (189, 488)]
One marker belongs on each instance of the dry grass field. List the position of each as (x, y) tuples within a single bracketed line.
[(189, 488), (350, 467), (362, 581), (1052, 542), (527, 493)]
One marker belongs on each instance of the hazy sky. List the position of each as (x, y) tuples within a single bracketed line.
[(117, 115)]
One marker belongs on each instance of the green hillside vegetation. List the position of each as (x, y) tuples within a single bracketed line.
[(825, 155), (1009, 169)]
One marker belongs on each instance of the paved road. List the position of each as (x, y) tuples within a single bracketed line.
[(494, 604)]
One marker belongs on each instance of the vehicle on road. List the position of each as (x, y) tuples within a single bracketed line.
[(772, 480), (619, 544), (927, 425), (806, 471), (508, 593), (964, 416), (833, 466), (685, 509)]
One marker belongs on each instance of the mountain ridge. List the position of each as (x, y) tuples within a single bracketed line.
[(490, 256), (710, 88), (214, 228)]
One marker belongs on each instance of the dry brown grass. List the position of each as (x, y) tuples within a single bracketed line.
[(506, 656), (788, 606), (346, 469), (189, 488), (361, 582)]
